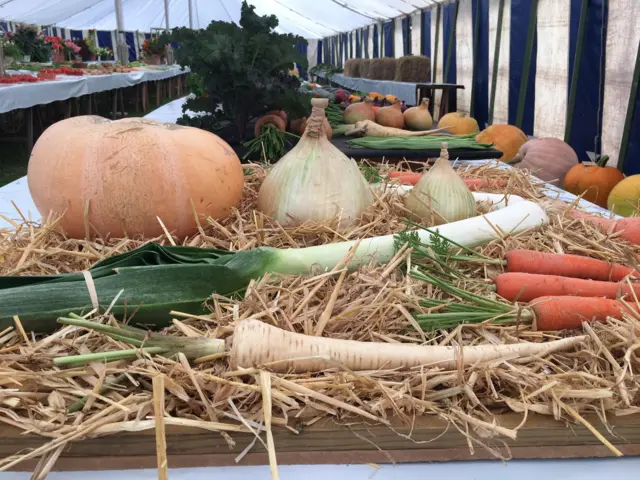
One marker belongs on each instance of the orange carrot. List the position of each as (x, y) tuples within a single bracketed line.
[(411, 178), (628, 228), (269, 120), (576, 266), (529, 286), (560, 313)]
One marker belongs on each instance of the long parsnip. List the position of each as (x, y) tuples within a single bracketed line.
[(367, 128), (258, 344)]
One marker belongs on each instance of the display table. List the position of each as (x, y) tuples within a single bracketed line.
[(25, 95), (410, 93)]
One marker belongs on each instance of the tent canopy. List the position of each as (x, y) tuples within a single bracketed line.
[(307, 18)]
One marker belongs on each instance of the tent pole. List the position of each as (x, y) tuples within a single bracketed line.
[(166, 13), (123, 51), (191, 14)]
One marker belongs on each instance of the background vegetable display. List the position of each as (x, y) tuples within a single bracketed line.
[(244, 69), (507, 138), (458, 123), (624, 199), (593, 182), (549, 159), (117, 178)]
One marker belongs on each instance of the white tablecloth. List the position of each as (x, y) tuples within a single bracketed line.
[(25, 95), (582, 469)]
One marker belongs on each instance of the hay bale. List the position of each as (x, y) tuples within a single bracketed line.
[(382, 69), (356, 63), (348, 68), (364, 68), (413, 69)]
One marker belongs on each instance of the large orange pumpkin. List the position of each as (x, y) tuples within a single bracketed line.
[(458, 123), (594, 181), (508, 139), (130, 172)]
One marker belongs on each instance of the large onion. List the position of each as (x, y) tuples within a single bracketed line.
[(419, 118), (391, 116), (356, 112), (314, 181)]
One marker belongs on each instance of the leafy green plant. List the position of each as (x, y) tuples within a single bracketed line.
[(243, 71), (12, 50), (327, 69), (31, 43)]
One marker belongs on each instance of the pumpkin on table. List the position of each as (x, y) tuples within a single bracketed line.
[(507, 138), (130, 172), (593, 182), (458, 123), (549, 159), (624, 199)]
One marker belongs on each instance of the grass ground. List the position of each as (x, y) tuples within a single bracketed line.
[(14, 157)]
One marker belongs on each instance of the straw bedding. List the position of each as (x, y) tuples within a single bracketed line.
[(371, 304)]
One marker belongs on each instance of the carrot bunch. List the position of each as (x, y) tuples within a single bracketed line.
[(562, 291)]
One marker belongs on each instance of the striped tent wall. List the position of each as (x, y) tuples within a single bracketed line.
[(555, 68)]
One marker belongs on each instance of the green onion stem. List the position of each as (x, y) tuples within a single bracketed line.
[(108, 385), (77, 360)]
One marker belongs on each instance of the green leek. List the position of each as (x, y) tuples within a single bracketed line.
[(150, 282)]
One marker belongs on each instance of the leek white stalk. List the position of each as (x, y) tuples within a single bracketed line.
[(314, 181), (471, 232), (441, 196)]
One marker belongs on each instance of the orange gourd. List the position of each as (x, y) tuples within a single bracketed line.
[(357, 112), (593, 182), (130, 172), (391, 116), (458, 123), (376, 96), (507, 138)]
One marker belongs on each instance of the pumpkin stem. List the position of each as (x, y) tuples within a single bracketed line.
[(602, 161)]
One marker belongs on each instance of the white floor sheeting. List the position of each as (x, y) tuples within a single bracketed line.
[(593, 469)]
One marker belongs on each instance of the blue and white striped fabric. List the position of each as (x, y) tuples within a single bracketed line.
[(603, 86)]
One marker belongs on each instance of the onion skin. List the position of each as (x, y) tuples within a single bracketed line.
[(299, 125), (419, 118), (357, 112), (441, 196), (391, 116), (315, 181)]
